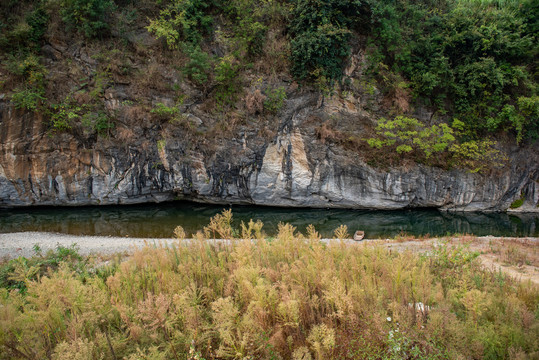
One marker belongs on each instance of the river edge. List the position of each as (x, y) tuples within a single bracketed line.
[(493, 251)]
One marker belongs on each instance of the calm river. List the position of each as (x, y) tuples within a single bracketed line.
[(159, 220)]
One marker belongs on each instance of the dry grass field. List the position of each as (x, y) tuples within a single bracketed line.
[(288, 297)]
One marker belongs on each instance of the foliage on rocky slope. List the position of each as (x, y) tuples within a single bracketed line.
[(471, 60), (164, 91)]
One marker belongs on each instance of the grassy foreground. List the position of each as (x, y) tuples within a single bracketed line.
[(291, 297)]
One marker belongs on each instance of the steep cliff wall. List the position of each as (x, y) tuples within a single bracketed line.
[(291, 167), (124, 116)]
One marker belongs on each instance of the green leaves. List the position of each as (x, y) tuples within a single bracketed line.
[(63, 115), (29, 99), (228, 83), (166, 27), (320, 52), (275, 99), (526, 120), (198, 65), (320, 32), (31, 95), (409, 134), (16, 273), (182, 20), (87, 16), (477, 155), (468, 58), (67, 114), (435, 139), (162, 110)]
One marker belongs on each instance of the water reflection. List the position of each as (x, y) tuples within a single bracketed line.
[(158, 220)]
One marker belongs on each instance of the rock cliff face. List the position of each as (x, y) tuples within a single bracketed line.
[(291, 167), (223, 119)]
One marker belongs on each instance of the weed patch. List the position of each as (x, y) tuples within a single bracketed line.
[(293, 297)]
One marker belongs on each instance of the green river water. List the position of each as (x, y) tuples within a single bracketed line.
[(159, 220)]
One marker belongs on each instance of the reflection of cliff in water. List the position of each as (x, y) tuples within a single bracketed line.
[(497, 224), (160, 220)]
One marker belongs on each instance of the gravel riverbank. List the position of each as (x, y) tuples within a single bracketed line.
[(13, 245), (517, 257)]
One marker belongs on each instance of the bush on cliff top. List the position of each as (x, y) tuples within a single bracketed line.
[(89, 17), (471, 59)]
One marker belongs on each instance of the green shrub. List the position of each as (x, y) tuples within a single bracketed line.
[(22, 33), (29, 99), (524, 118), (30, 69), (228, 80), (405, 134), (320, 53), (37, 20), (252, 35), (477, 155), (182, 20), (64, 114), (246, 19), (320, 34), (87, 16), (275, 99), (69, 113), (16, 273), (517, 203), (198, 65), (30, 95), (101, 80), (98, 122), (161, 109)]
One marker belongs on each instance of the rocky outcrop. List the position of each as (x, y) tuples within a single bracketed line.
[(292, 169), (218, 123)]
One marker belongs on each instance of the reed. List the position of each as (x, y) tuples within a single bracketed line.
[(293, 297)]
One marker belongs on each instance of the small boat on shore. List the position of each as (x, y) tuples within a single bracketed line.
[(359, 235)]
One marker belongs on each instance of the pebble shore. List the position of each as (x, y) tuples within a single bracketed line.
[(13, 245)]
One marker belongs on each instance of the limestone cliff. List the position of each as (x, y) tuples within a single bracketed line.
[(268, 103), (290, 167)]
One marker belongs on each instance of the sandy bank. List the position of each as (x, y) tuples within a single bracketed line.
[(22, 244), (13, 245), (517, 257)]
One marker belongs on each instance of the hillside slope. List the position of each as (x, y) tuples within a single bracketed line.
[(352, 104)]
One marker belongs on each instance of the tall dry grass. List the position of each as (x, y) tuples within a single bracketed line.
[(291, 297)]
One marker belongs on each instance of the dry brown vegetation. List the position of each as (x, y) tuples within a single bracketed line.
[(275, 60), (515, 251), (291, 297), (254, 102), (517, 258)]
